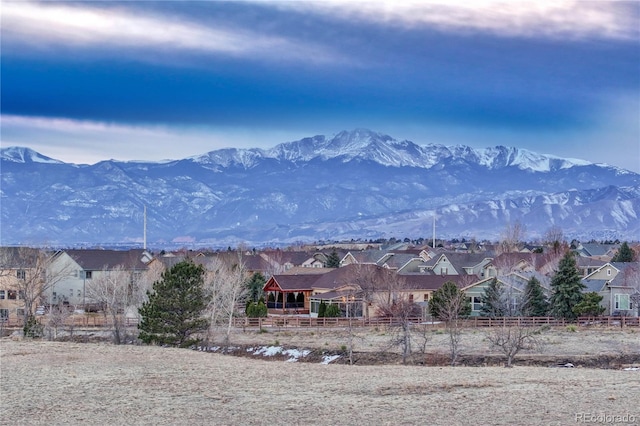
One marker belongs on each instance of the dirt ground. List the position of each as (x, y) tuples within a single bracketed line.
[(64, 383)]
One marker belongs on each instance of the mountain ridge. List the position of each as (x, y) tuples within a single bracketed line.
[(357, 184)]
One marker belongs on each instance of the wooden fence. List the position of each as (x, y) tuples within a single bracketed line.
[(99, 321), (472, 322)]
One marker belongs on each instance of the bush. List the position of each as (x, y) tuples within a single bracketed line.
[(32, 328), (333, 311), (256, 310), (322, 310)]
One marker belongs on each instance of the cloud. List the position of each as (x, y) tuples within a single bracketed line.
[(38, 24), (88, 141), (558, 19)]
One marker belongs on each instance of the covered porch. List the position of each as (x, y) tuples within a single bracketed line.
[(287, 295)]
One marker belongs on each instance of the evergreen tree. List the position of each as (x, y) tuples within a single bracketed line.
[(566, 288), (322, 310), (173, 314), (333, 311), (624, 254), (590, 305), (256, 310), (333, 261), (448, 301), (255, 284), (534, 301), (493, 300)]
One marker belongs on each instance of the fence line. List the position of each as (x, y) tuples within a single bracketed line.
[(100, 321)]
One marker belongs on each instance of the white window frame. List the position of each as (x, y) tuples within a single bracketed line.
[(618, 302), (474, 303)]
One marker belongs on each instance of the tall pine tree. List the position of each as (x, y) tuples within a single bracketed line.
[(493, 300), (255, 284), (534, 301), (333, 260), (624, 254), (566, 288), (173, 314)]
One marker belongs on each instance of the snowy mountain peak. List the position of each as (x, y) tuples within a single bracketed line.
[(19, 154), (367, 145)]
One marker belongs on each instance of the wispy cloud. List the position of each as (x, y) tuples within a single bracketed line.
[(89, 141), (558, 19), (79, 25)]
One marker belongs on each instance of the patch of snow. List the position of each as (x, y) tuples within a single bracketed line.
[(329, 358), (296, 354), (268, 350)]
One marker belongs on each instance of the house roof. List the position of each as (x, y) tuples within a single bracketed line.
[(628, 275), (291, 282), (428, 282), (303, 270), (594, 285), (464, 260), (367, 256), (397, 260), (595, 249), (18, 257), (95, 259)]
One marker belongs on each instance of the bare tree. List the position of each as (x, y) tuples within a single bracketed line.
[(512, 235), (395, 303), (32, 275), (58, 316), (450, 305), (554, 239), (511, 340), (112, 290), (226, 286)]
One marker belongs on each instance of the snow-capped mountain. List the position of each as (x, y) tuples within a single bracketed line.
[(356, 184)]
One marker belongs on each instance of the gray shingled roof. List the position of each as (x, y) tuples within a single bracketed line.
[(96, 260)]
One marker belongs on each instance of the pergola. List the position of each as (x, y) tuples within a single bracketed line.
[(287, 294)]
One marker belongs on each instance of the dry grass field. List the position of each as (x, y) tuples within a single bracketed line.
[(67, 383)]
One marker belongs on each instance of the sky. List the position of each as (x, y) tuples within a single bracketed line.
[(141, 80)]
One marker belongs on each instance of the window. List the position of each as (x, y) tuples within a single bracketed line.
[(411, 298), (70, 292), (79, 293), (20, 294), (20, 312), (426, 297), (608, 272), (21, 274), (2, 295), (621, 302), (476, 303), (12, 294), (4, 314)]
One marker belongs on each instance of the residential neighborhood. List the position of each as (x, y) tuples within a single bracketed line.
[(297, 281)]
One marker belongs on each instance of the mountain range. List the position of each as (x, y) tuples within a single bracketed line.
[(356, 184)]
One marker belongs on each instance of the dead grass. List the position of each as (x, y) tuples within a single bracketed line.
[(71, 383)]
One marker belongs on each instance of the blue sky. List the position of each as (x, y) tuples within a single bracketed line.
[(85, 81)]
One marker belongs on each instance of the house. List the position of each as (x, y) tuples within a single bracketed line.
[(359, 290), (604, 252), (78, 267), (619, 285), (475, 291), (452, 263), (21, 272)]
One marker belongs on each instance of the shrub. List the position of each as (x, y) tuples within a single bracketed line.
[(333, 311)]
